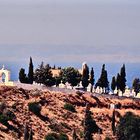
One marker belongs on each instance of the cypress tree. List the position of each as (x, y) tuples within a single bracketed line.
[(113, 83), (90, 125), (38, 75), (31, 135), (136, 85), (106, 82), (123, 79), (92, 79), (22, 76), (26, 132), (54, 67), (113, 122), (87, 123), (31, 72), (118, 81), (85, 76), (103, 80)]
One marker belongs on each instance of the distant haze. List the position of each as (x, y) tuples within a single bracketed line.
[(69, 31)]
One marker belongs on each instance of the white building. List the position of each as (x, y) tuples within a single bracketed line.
[(5, 77)]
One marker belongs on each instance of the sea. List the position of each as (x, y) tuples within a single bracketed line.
[(132, 69)]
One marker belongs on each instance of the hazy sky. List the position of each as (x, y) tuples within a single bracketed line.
[(60, 31)]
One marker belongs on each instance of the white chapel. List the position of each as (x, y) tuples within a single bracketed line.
[(5, 77)]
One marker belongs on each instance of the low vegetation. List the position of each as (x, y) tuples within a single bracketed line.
[(129, 127), (5, 114), (55, 136), (3, 119), (69, 107), (107, 138), (34, 107)]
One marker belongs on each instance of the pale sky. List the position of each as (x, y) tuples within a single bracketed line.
[(70, 31)]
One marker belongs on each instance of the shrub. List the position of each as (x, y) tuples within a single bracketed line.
[(66, 126), (63, 136), (52, 136), (107, 138), (3, 119), (9, 114), (55, 127), (129, 127), (35, 108), (55, 136), (69, 107), (81, 134), (118, 106), (2, 106)]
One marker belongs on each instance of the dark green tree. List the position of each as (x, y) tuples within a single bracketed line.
[(107, 138), (88, 130), (57, 80), (91, 79), (59, 68), (98, 83), (69, 107), (136, 85), (22, 76), (85, 76), (35, 108), (55, 136), (31, 134), (113, 83), (70, 75), (128, 127), (63, 136), (113, 123), (43, 75), (31, 72), (26, 132), (48, 76), (54, 67), (103, 80), (122, 79), (90, 125), (38, 75), (52, 136), (118, 81)]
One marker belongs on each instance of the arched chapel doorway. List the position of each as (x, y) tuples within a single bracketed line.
[(3, 77)]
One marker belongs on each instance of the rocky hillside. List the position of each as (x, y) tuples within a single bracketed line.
[(54, 117)]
